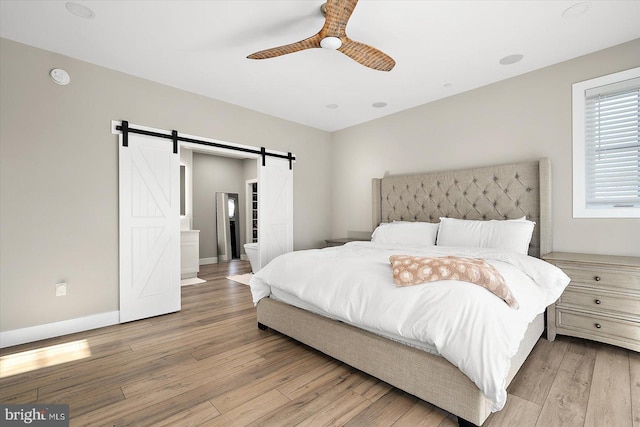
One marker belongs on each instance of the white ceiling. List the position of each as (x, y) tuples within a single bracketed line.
[(441, 47)]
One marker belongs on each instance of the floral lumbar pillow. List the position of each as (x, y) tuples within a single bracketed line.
[(412, 270)]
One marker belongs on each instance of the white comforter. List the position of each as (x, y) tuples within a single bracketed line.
[(468, 325)]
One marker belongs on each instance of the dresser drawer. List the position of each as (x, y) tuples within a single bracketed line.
[(602, 302), (595, 300), (602, 277), (598, 326)]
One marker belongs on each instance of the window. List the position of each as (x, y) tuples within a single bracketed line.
[(606, 146)]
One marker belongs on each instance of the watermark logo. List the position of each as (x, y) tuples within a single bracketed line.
[(34, 415)]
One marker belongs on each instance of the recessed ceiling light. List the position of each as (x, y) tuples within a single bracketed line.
[(331, 106), (575, 10), (379, 104), (511, 59), (79, 10)]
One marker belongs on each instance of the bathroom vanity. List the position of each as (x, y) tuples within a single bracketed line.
[(189, 253)]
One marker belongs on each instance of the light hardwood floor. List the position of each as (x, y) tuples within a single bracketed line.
[(210, 365)]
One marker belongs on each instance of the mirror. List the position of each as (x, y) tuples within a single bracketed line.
[(183, 177), (227, 226)]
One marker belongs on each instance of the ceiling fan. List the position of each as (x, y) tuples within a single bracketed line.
[(333, 36)]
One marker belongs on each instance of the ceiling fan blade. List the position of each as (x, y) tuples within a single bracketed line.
[(311, 42), (338, 13), (367, 55)]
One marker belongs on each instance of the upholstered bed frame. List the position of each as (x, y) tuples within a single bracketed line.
[(498, 192)]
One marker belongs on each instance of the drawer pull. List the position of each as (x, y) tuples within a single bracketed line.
[(597, 278), (598, 325), (598, 301)]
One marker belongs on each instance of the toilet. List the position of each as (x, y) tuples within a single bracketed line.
[(251, 249)]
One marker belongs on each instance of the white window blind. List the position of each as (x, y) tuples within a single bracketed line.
[(612, 145)]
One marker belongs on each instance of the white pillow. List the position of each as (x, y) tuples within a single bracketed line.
[(406, 233), (510, 235)]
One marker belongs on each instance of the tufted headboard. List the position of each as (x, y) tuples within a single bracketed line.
[(495, 192)]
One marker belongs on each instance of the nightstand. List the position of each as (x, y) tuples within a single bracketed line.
[(342, 241), (602, 301)]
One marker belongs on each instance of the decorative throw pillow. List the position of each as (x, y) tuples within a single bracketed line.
[(410, 270)]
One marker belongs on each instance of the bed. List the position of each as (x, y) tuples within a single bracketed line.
[(504, 192)]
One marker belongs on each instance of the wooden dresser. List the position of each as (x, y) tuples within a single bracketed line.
[(602, 302)]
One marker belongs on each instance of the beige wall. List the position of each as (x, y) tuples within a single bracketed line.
[(523, 118), (59, 176), (58, 165)]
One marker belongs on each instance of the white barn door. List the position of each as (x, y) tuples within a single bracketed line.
[(149, 183), (275, 208)]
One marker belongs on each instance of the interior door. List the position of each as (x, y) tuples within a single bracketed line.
[(149, 183), (275, 209)]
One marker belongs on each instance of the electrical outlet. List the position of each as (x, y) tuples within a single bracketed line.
[(61, 289)]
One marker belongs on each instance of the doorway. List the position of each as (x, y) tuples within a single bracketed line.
[(251, 210), (149, 187)]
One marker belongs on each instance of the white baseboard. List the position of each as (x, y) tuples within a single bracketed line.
[(56, 329), (212, 260), (244, 257)]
